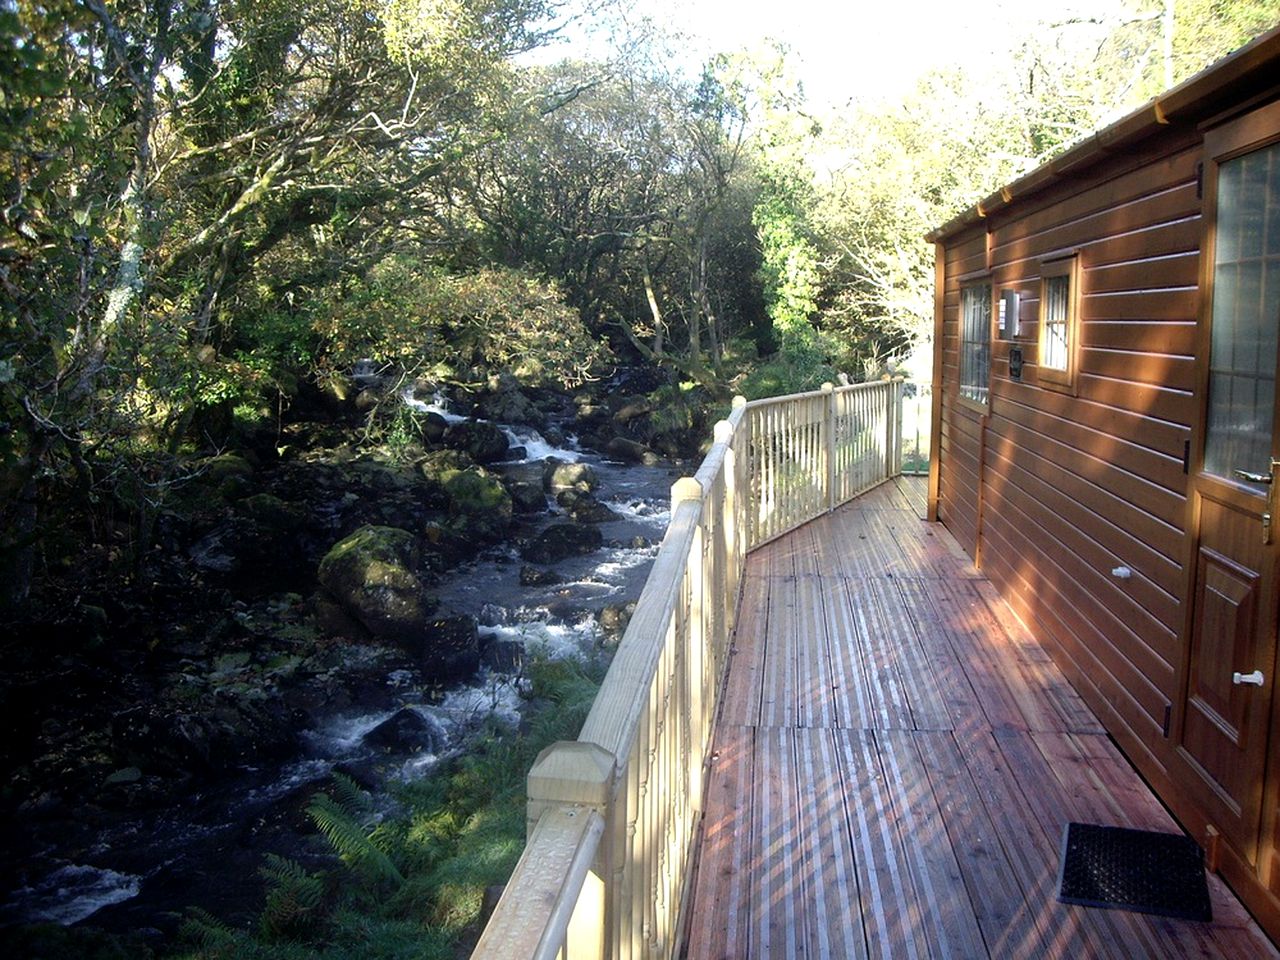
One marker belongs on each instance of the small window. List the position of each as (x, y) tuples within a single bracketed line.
[(1058, 323), (975, 341)]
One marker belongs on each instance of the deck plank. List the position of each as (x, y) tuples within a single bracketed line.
[(895, 760)]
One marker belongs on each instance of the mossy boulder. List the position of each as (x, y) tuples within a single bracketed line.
[(479, 502), (371, 575)]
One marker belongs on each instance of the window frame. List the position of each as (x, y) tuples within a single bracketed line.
[(1058, 378), (968, 283)]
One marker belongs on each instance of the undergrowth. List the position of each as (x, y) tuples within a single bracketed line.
[(407, 886)]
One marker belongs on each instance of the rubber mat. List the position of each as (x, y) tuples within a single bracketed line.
[(1139, 870)]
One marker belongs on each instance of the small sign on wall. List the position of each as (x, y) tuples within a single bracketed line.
[(1015, 363)]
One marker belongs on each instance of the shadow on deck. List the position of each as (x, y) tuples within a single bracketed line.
[(895, 761)]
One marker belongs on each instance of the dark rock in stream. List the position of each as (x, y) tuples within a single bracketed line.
[(503, 656), (562, 540), (584, 508), (538, 577), (447, 648), (406, 731), (629, 451), (482, 441)]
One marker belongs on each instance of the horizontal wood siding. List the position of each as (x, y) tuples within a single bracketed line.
[(1074, 486), (961, 436)]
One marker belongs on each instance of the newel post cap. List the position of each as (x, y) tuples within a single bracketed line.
[(739, 401), (722, 432), (572, 772)]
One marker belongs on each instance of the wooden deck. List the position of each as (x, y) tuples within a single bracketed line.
[(896, 759)]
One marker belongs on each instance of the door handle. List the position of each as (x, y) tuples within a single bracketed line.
[(1250, 679), (1268, 478)]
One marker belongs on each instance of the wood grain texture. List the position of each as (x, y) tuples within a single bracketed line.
[(895, 760)]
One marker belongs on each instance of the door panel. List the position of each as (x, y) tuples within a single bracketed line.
[(1223, 730)]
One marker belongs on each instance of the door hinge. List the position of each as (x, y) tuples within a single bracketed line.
[(1186, 456), (1199, 181), (1168, 712)]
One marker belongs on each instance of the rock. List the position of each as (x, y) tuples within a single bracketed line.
[(483, 442), (613, 620), (367, 399), (432, 427), (209, 738), (562, 540), (503, 656), (371, 576), (229, 476), (448, 648), (538, 577), (634, 409), (527, 496), (569, 476), (406, 731), (272, 512), (584, 508), (506, 403), (479, 501), (629, 451), (124, 775)]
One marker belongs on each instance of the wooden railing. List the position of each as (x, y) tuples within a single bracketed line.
[(613, 816)]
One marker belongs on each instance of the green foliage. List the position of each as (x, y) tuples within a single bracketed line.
[(293, 896), (345, 821)]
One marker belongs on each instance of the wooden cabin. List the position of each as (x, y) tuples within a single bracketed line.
[(1107, 442)]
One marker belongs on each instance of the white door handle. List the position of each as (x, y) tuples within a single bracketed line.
[(1253, 679)]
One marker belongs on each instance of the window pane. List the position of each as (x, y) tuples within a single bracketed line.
[(1246, 314), (975, 342), (1057, 293)]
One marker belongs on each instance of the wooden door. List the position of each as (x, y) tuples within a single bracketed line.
[(1224, 720)]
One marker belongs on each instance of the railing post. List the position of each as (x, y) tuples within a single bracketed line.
[(890, 422), (897, 441), (829, 440), (578, 774)]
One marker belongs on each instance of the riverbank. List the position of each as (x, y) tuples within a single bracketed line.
[(173, 733)]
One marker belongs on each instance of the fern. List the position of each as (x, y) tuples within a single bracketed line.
[(352, 840), (209, 935), (350, 796), (293, 895)]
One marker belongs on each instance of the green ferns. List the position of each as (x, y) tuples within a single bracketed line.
[(346, 821)]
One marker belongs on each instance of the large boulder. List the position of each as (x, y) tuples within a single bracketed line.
[(482, 441), (479, 502), (370, 574), (562, 540)]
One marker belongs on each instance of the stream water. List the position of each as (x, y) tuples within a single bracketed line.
[(144, 870)]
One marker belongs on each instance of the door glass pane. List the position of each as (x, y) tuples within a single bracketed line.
[(1246, 315)]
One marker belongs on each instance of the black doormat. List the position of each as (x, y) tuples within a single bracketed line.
[(1160, 873)]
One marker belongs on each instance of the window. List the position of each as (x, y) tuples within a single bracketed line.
[(975, 341), (1246, 301), (1058, 323)]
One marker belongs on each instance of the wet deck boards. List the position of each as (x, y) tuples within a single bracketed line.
[(896, 759)]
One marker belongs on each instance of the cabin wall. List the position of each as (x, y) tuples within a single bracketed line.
[(1050, 491)]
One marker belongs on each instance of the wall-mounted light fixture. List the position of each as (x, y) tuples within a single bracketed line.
[(1009, 322)]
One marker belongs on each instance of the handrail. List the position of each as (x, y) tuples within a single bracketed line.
[(613, 816)]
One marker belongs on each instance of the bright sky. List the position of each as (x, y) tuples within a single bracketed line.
[(859, 49)]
